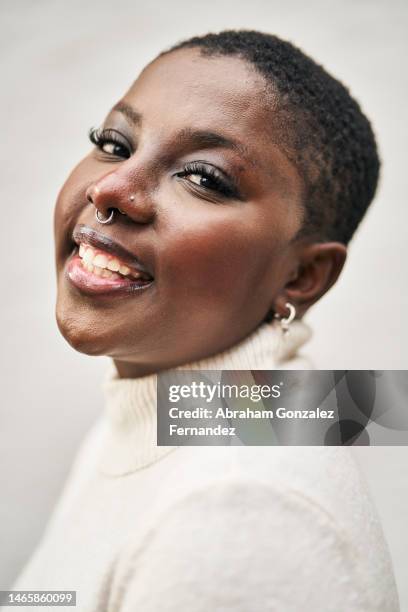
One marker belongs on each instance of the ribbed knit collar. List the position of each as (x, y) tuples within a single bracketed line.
[(129, 442)]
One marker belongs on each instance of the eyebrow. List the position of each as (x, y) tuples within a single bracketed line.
[(198, 138), (206, 138), (129, 112)]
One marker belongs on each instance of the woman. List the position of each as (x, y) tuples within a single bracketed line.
[(215, 208)]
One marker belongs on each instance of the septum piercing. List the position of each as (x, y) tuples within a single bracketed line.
[(102, 219), (106, 220)]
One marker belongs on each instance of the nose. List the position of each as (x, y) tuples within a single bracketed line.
[(115, 191)]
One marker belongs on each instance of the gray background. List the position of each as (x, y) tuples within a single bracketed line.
[(63, 65)]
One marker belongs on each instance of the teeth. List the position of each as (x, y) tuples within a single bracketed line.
[(88, 256), (104, 265), (101, 261), (114, 265)]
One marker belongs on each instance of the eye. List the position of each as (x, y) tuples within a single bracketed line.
[(208, 178), (110, 142), (202, 180), (114, 149)]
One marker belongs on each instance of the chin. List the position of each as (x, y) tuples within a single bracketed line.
[(81, 335)]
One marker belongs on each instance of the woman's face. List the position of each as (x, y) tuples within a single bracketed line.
[(211, 205)]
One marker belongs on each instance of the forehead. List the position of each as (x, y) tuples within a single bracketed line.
[(224, 94), (186, 84)]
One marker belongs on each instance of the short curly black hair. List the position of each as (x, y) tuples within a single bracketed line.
[(322, 129)]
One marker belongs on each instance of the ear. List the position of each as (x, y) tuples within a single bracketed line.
[(318, 268)]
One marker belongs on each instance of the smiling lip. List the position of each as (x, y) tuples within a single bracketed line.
[(84, 276), (83, 234)]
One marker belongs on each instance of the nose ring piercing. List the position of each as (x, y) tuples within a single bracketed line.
[(102, 219), (132, 198)]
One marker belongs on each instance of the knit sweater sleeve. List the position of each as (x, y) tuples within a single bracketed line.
[(241, 546)]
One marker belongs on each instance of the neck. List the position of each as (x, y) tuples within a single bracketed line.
[(127, 369), (131, 402), (266, 342)]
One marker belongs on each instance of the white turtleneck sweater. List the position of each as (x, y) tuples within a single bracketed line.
[(211, 529)]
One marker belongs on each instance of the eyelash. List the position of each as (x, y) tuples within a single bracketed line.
[(211, 173), (101, 137)]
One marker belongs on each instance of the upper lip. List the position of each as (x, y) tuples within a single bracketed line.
[(86, 235)]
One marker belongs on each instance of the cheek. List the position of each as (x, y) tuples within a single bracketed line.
[(70, 201), (216, 257)]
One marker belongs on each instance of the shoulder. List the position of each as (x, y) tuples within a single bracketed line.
[(324, 475), (252, 536)]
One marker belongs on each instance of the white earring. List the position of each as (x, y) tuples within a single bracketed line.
[(286, 321)]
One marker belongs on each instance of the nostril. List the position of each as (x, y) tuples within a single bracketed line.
[(90, 193)]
